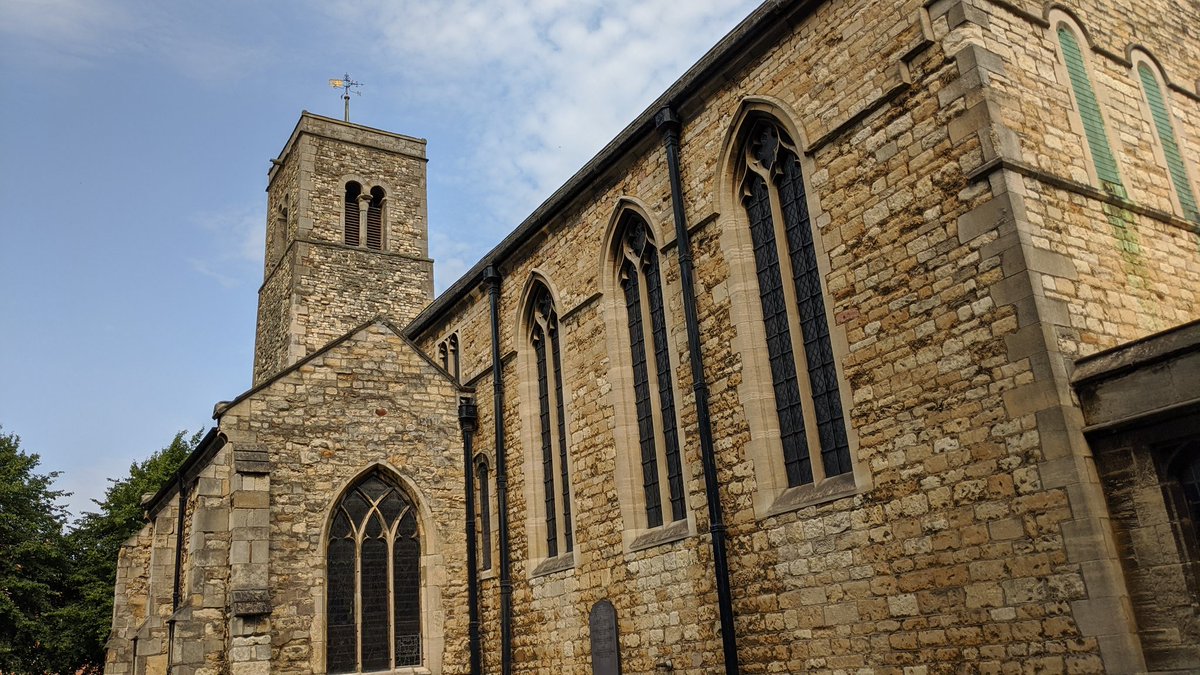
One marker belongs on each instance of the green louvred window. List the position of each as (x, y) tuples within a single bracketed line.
[(1166, 135), (1089, 112)]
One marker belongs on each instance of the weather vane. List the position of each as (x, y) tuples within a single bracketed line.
[(346, 84)]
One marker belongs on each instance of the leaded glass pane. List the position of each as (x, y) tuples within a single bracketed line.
[(407, 600), (485, 518), (562, 439), (641, 392), (384, 584), (775, 325), (374, 593), (666, 394), (539, 348), (818, 351), (341, 631)]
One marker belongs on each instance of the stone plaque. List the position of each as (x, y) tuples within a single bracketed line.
[(606, 648)]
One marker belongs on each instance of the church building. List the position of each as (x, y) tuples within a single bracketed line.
[(872, 346)]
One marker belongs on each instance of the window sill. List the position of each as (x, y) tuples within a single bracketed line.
[(489, 573), (406, 670), (800, 496), (565, 561), (676, 531)]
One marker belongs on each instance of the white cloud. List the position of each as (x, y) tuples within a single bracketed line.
[(541, 84), (82, 33)]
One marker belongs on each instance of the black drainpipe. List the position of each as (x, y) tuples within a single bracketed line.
[(468, 415), (668, 123), (177, 590), (492, 276)]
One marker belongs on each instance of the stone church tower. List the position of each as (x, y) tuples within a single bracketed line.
[(347, 238)]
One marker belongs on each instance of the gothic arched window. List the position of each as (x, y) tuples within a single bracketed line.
[(351, 213), (374, 579), (803, 373), (1087, 106), (375, 219), (448, 356), (551, 423), (650, 360), (483, 512)]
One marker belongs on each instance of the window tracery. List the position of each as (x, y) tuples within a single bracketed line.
[(803, 373), (373, 568)]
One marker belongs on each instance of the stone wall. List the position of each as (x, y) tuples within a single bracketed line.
[(370, 400), (320, 288), (966, 262)]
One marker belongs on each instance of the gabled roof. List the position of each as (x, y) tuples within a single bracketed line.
[(223, 406)]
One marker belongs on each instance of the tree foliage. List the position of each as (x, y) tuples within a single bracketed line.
[(33, 565), (56, 585)]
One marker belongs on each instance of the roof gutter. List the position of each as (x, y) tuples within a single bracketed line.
[(734, 46)]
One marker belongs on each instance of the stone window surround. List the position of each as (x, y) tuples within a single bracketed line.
[(1139, 56), (451, 344), (772, 494), (433, 576), (493, 521), (636, 535), (538, 562), (1057, 18), (364, 199)]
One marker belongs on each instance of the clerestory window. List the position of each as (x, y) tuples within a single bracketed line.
[(374, 581), (649, 359), (805, 389)]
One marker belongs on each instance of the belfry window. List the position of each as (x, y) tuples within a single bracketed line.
[(351, 215), (375, 219), (650, 360), (374, 580), (551, 423), (803, 373)]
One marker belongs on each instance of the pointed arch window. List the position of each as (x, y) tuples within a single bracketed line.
[(1090, 115), (483, 513), (650, 360), (804, 377), (375, 219), (351, 213), (551, 423), (448, 356), (1161, 118), (374, 580)]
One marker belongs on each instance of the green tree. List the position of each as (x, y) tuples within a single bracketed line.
[(33, 566), (86, 617)]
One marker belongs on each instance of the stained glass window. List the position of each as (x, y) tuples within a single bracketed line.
[(654, 398), (373, 565), (551, 422), (803, 371)]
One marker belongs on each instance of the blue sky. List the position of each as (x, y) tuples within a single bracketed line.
[(135, 137)]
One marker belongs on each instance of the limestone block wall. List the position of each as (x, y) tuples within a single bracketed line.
[(958, 287), (370, 400)]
